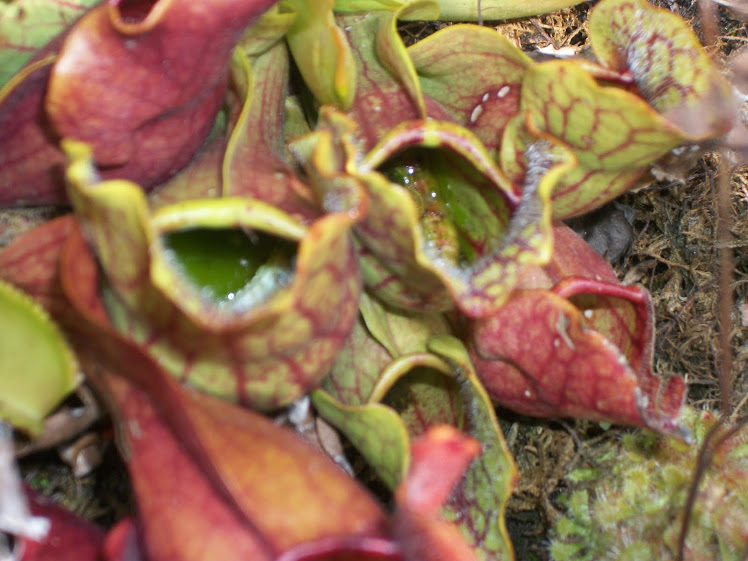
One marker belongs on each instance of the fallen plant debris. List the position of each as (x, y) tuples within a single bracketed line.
[(271, 202)]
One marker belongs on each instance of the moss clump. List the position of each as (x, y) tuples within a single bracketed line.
[(631, 506)]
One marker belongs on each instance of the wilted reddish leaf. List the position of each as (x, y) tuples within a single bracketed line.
[(541, 355), (70, 538)]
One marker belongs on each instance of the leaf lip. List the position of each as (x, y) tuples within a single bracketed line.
[(439, 134), (140, 25), (401, 366), (383, 548)]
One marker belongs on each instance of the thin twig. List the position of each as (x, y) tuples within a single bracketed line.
[(726, 273), (712, 442)]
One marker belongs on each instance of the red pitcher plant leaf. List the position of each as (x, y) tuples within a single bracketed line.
[(196, 435), (582, 349), (165, 108), (31, 263), (387, 88), (439, 459), (188, 432), (229, 469), (573, 341), (31, 164), (247, 519), (69, 538), (245, 154), (145, 127)]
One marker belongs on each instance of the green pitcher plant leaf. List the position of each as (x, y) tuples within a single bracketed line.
[(662, 56), (28, 25), (444, 226), (392, 53), (475, 74), (356, 370), (350, 6), (489, 10), (246, 155), (267, 324), (663, 91), (477, 504), (374, 429), (321, 51), (461, 10), (37, 368), (421, 391), (254, 164), (613, 133), (380, 335), (388, 91), (30, 263), (425, 384), (470, 229), (269, 29), (196, 434), (399, 331)]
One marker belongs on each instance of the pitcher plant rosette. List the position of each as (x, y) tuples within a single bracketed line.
[(275, 202)]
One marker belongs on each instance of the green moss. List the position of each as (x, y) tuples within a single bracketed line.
[(634, 509)]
